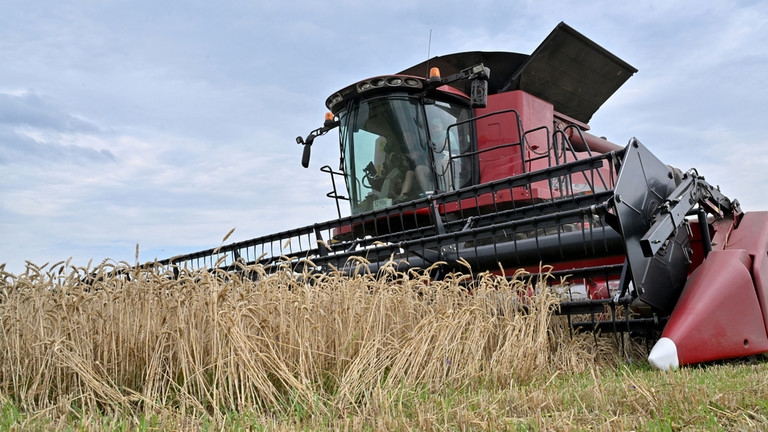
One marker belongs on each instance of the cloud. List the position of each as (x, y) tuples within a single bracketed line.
[(30, 109), (33, 130)]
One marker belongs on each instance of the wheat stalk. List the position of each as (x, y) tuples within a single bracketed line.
[(211, 342)]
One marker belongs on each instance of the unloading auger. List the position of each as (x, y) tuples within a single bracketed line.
[(493, 165)]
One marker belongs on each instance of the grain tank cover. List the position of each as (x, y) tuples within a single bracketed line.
[(573, 73), (567, 69)]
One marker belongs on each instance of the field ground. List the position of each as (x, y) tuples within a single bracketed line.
[(286, 351)]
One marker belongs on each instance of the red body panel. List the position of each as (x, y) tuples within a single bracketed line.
[(505, 129), (722, 310), (514, 136), (752, 236)]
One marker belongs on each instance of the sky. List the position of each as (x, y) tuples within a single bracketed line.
[(167, 124)]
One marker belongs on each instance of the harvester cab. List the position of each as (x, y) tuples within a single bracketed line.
[(485, 159), (403, 137)]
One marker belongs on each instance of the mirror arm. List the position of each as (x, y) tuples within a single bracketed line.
[(307, 142), (478, 74)]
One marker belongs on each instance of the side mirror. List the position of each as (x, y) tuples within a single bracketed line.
[(307, 148), (479, 90), (305, 154), (479, 93)]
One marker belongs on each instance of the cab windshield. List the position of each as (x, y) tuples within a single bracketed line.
[(395, 149)]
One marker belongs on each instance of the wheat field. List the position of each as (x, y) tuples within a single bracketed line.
[(286, 349)]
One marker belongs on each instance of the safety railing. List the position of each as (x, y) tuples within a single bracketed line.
[(486, 225)]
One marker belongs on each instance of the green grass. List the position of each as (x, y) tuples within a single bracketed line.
[(730, 396)]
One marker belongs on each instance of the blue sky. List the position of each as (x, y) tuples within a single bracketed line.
[(166, 124)]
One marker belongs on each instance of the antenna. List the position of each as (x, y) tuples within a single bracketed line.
[(429, 50)]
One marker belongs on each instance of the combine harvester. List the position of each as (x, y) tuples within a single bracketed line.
[(484, 158)]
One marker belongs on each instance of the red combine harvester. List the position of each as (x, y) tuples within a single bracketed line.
[(484, 158)]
